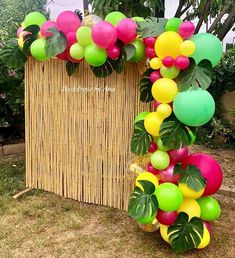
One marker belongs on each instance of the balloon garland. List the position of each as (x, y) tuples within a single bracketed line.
[(176, 188)]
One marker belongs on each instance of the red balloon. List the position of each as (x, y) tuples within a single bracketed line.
[(150, 168), (208, 225), (168, 61), (166, 218), (210, 170), (63, 56), (154, 76), (167, 174), (182, 62), (152, 147), (150, 52), (156, 104), (177, 156), (149, 42)]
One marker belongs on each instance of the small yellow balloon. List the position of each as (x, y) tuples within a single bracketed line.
[(164, 110), (168, 44), (147, 176), (21, 42), (155, 63), (190, 193), (152, 123), (191, 207), (163, 232), (164, 90), (23, 25), (187, 48), (205, 239)]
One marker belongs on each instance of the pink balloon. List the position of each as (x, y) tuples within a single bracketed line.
[(150, 52), (208, 225), (154, 76), (186, 29), (47, 25), (166, 218), (168, 61), (177, 156), (113, 52), (156, 104), (167, 174), (182, 62), (126, 30), (19, 31), (104, 34), (149, 42), (210, 170), (152, 147), (68, 21), (151, 169), (71, 38)]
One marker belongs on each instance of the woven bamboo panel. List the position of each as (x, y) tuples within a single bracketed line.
[(78, 133)]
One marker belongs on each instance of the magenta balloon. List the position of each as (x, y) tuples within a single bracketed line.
[(186, 29), (167, 174), (151, 169), (208, 225), (177, 156), (150, 52), (126, 30), (47, 25), (104, 34), (68, 21), (210, 170), (71, 38), (182, 62), (154, 76), (168, 61), (166, 218), (113, 52), (19, 31), (152, 147)]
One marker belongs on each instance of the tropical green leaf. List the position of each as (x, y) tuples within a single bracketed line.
[(140, 140), (120, 64), (105, 69), (11, 54), (55, 44), (195, 76), (71, 67), (145, 85), (143, 203), (191, 176), (185, 234), (30, 37), (151, 27), (130, 51), (174, 134)]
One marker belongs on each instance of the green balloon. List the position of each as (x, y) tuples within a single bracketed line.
[(194, 107), (170, 73), (38, 49), (141, 116), (208, 47), (210, 208), (138, 19), (147, 220), (169, 197), (139, 50), (173, 24), (115, 17), (160, 159), (160, 144), (34, 18), (77, 51), (83, 35), (95, 55)]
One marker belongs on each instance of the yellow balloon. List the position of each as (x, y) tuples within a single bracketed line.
[(191, 207), (152, 123), (168, 44), (164, 110), (21, 42), (155, 63), (164, 90), (205, 239), (163, 232), (148, 177), (23, 25), (190, 193), (187, 48)]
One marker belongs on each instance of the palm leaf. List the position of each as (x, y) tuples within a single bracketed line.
[(145, 85), (130, 51), (30, 37), (71, 67)]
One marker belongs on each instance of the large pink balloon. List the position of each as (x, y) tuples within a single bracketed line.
[(167, 174), (179, 155), (104, 34), (71, 38), (47, 25), (126, 30), (166, 218), (210, 170), (68, 21)]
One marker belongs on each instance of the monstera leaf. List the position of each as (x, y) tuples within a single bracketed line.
[(30, 37), (151, 27), (71, 67), (11, 54), (195, 76), (140, 140), (146, 87), (143, 203), (191, 176), (129, 51), (185, 235)]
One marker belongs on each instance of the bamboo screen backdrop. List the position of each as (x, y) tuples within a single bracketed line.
[(77, 143)]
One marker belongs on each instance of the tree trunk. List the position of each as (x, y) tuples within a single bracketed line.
[(227, 25), (160, 13), (203, 15), (180, 6)]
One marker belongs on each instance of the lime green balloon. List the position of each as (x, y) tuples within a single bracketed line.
[(34, 18), (138, 19), (160, 159), (147, 220), (194, 107), (95, 55), (208, 47), (210, 208), (83, 35), (77, 51), (173, 24), (170, 73), (139, 50), (169, 197), (115, 17), (38, 50), (141, 116)]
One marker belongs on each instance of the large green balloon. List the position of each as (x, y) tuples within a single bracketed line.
[(139, 50), (173, 24), (95, 55), (38, 50), (141, 116), (208, 47), (210, 208), (115, 17), (194, 107), (34, 18)]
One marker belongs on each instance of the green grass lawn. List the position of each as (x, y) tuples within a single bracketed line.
[(42, 224)]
